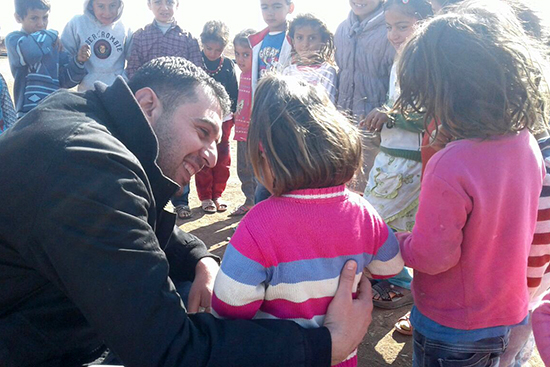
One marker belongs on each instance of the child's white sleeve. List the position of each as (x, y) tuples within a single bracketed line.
[(387, 261), (70, 39)]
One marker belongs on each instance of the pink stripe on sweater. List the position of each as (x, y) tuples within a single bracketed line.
[(284, 309)]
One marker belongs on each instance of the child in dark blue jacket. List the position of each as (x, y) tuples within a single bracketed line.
[(37, 62)]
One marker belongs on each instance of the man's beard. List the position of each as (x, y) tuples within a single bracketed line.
[(166, 160)]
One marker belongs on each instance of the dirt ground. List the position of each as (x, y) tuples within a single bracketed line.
[(382, 346)]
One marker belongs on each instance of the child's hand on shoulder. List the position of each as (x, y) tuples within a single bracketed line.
[(375, 120), (84, 54)]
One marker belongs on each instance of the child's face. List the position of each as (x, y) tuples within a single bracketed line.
[(364, 8), (212, 50), (400, 26), (163, 10), (35, 20), (307, 41), (106, 10), (243, 56), (275, 12)]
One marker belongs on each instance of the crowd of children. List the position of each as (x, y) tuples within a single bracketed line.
[(415, 136)]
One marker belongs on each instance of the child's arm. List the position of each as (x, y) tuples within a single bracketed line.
[(388, 261), (541, 329), (134, 60), (71, 70), (70, 39), (434, 246), (232, 87), (193, 51), (129, 43), (28, 49), (329, 81), (6, 106), (240, 285)]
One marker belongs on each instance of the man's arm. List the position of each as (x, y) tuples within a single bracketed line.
[(103, 254), (190, 260)]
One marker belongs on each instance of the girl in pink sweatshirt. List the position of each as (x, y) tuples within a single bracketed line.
[(479, 195), (284, 260)]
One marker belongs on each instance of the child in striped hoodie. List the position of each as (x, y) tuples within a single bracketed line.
[(284, 260)]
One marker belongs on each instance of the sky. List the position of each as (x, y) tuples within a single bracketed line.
[(191, 15)]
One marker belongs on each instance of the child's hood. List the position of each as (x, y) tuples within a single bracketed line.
[(90, 11), (356, 26)]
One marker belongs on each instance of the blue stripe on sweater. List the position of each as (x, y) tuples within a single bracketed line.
[(249, 272)]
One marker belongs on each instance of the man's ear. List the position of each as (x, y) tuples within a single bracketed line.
[(291, 8), (18, 19), (150, 104)]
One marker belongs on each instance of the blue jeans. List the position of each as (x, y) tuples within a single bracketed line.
[(182, 199), (484, 352)]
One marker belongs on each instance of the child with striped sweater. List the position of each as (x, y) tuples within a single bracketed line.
[(284, 260)]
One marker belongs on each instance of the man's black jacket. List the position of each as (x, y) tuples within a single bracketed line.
[(85, 248)]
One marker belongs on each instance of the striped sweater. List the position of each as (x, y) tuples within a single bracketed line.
[(285, 258), (538, 271)]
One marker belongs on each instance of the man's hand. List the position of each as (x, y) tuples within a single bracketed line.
[(348, 319), (84, 54), (200, 295)]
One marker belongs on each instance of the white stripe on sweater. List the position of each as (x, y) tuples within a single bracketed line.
[(311, 197), (539, 250)]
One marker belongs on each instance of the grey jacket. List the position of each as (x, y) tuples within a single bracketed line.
[(364, 57), (110, 46)]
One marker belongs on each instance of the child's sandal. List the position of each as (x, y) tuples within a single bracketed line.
[(221, 205), (208, 206)]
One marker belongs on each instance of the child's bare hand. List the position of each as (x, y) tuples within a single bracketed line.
[(84, 54), (374, 120), (57, 45)]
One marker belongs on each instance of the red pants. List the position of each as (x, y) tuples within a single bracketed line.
[(211, 182)]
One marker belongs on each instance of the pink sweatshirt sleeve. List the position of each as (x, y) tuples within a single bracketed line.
[(434, 246), (541, 329)]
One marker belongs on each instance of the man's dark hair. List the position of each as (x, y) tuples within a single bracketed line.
[(23, 6), (174, 80)]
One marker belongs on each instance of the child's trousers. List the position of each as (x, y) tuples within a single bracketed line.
[(211, 182), (246, 173), (481, 353)]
